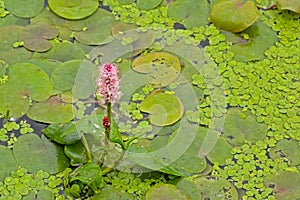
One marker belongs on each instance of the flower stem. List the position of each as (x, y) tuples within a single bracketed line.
[(86, 146), (107, 129)]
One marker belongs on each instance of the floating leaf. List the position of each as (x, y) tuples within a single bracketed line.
[(109, 193), (148, 5), (221, 152), (35, 153), (52, 111), (35, 37), (48, 65), (164, 108), (189, 188), (166, 192), (261, 38), (125, 31), (25, 9), (293, 5), (192, 13), (237, 130), (234, 16), (288, 149), (11, 20), (285, 184), (9, 35), (75, 9), (162, 67), (8, 162)]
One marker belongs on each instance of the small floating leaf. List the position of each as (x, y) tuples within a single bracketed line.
[(35, 153), (25, 9), (165, 192), (164, 108), (75, 9), (234, 16), (148, 5)]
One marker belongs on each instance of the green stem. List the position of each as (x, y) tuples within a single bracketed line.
[(107, 130), (86, 146)]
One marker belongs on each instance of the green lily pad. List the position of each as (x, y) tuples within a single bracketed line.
[(25, 9), (76, 153), (11, 20), (288, 149), (189, 188), (162, 67), (234, 16), (237, 130), (166, 192), (261, 38), (109, 193), (35, 153), (124, 2), (125, 31), (9, 35), (28, 81), (52, 111), (221, 152), (8, 162), (285, 184), (61, 51), (75, 9), (48, 65), (215, 188), (293, 5), (148, 5), (35, 37), (192, 13), (164, 108)]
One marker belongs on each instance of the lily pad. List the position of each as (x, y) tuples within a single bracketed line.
[(162, 67), (8, 162), (52, 111), (288, 149), (75, 9), (165, 192), (221, 152), (48, 65), (9, 35), (234, 16), (164, 108), (285, 184), (35, 153), (35, 37), (189, 188), (192, 13), (109, 193), (293, 5), (261, 38), (25, 9), (237, 130), (11, 20), (148, 5)]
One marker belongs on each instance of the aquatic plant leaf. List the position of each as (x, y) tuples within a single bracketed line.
[(89, 174), (293, 5), (45, 194), (109, 193), (192, 13), (24, 9), (288, 149), (189, 188), (61, 51), (221, 152), (285, 184), (115, 135), (261, 38), (234, 16), (9, 35), (164, 108), (75, 9), (8, 162), (48, 65), (52, 111), (215, 188), (62, 133), (123, 2), (162, 67), (35, 153), (11, 20), (148, 5), (123, 30), (35, 37), (166, 192), (237, 130), (76, 153)]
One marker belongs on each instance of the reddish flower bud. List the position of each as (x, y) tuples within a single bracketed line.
[(105, 122)]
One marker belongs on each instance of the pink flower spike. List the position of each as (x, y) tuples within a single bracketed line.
[(105, 122), (108, 83)]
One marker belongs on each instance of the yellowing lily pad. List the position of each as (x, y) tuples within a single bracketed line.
[(165, 192), (162, 67), (35, 37), (148, 5), (25, 9), (52, 111), (234, 15), (75, 9), (35, 153), (164, 108), (293, 5)]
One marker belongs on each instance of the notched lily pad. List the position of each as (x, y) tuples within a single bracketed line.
[(293, 5), (25, 9), (162, 67), (164, 108), (166, 192), (75, 9), (35, 153), (35, 37), (234, 15)]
